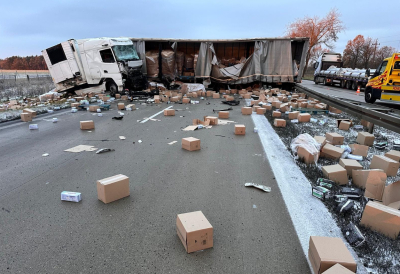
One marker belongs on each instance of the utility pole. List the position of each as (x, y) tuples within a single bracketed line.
[(375, 44)]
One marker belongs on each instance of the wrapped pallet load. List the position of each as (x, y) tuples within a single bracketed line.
[(152, 63), (168, 63), (195, 60), (189, 61), (180, 58)]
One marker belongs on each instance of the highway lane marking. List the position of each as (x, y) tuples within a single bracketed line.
[(158, 113)]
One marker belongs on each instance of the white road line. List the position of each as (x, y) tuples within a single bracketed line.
[(151, 117), (309, 215)]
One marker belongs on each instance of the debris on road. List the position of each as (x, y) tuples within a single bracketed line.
[(122, 137), (45, 155), (261, 187), (33, 126), (71, 196), (103, 150), (140, 141), (113, 188), (81, 148), (118, 117), (173, 142), (225, 109), (191, 143), (84, 125)]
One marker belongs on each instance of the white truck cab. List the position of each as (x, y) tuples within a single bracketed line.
[(76, 64)]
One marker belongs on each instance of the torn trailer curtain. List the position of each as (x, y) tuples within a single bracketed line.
[(141, 51), (206, 59), (271, 62)]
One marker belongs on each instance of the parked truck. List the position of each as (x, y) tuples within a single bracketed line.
[(128, 64), (94, 64), (329, 71), (384, 83)]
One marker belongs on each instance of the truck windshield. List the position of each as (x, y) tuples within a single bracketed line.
[(125, 53)]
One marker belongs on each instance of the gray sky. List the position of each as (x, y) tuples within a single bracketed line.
[(27, 27)]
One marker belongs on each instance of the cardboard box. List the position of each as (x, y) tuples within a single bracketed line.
[(113, 188), (247, 110), (94, 108), (388, 165), (276, 104), (360, 150), (350, 165), (223, 114), (293, 115), (320, 140), (334, 110), (284, 107), (195, 231), (117, 96), (169, 112), (381, 218), (303, 104), (344, 125), (121, 106), (279, 123), (30, 111), (123, 97), (209, 93), (336, 173), (320, 106), (26, 117), (372, 180), (365, 138), (246, 96), (240, 129), (325, 252), (185, 100), (255, 108), (191, 143), (216, 95), (174, 99), (230, 98), (213, 120), (311, 105), (338, 269), (304, 117), (131, 106), (331, 152), (87, 124), (306, 156), (261, 110), (267, 107), (276, 114), (334, 138), (75, 105), (394, 155), (391, 195)]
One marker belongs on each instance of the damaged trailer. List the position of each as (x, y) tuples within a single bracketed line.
[(271, 61)]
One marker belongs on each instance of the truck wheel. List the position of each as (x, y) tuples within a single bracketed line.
[(348, 84), (325, 82), (368, 96), (354, 85), (342, 83), (113, 88)]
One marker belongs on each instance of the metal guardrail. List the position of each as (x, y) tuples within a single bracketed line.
[(378, 115)]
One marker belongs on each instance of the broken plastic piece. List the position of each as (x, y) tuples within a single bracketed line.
[(345, 206), (122, 137), (117, 117), (102, 150), (261, 187), (173, 142), (140, 141), (45, 154)]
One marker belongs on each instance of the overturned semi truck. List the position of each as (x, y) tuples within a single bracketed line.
[(122, 65)]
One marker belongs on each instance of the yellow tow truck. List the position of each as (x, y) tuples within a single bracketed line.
[(384, 84)]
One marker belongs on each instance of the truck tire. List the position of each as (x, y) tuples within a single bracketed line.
[(113, 88), (348, 84), (325, 82), (354, 85), (342, 83), (315, 80), (368, 96)]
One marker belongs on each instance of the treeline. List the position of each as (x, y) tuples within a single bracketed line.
[(365, 53), (24, 63)]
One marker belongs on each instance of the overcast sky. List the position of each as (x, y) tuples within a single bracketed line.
[(27, 27)]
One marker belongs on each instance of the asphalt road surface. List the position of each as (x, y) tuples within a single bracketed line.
[(253, 232)]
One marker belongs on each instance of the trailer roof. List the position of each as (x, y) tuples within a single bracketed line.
[(219, 40)]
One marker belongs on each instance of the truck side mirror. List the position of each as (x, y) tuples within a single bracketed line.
[(368, 73), (315, 65)]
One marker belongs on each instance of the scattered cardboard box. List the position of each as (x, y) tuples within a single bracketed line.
[(360, 150), (94, 108), (334, 110), (185, 100), (117, 96), (209, 93), (216, 95), (261, 111), (255, 108), (372, 180), (113, 188), (365, 138), (304, 117), (194, 231), (394, 155), (381, 218), (280, 123), (169, 112), (87, 124), (121, 106), (391, 195), (276, 114), (213, 120), (240, 129), (344, 125), (388, 165), (267, 106), (247, 110), (338, 269), (336, 173), (191, 143), (230, 98), (334, 138), (284, 107), (124, 97), (306, 156), (32, 112), (223, 114), (350, 165), (325, 252), (131, 106), (293, 115), (320, 140), (331, 152), (26, 117), (74, 105), (246, 96)]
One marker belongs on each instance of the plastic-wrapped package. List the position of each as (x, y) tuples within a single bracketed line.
[(152, 63), (180, 59), (195, 56), (189, 61), (307, 142), (168, 63)]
